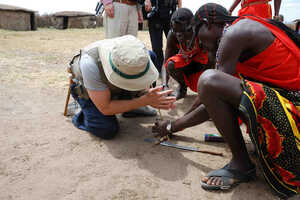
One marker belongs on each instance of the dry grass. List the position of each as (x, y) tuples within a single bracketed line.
[(44, 157), (39, 58)]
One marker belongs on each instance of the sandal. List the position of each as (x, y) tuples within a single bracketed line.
[(226, 174)]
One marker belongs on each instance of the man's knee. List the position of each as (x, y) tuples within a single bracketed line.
[(207, 83), (108, 132), (170, 67)]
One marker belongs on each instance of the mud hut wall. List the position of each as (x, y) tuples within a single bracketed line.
[(82, 22), (18, 21), (58, 22)]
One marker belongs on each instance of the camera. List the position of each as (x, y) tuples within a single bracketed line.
[(153, 12)]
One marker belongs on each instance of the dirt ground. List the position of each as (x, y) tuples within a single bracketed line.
[(44, 157)]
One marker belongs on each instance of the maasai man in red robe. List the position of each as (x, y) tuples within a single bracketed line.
[(259, 8), (266, 96), (183, 63)]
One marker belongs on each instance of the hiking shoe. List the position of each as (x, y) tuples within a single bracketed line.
[(140, 112)]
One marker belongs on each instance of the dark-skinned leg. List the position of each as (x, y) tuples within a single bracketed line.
[(177, 74), (221, 94)]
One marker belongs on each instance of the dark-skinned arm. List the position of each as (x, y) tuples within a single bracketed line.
[(197, 116), (228, 59), (245, 35), (234, 5), (171, 50), (195, 105), (227, 63)]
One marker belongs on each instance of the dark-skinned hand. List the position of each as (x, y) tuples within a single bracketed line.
[(160, 127)]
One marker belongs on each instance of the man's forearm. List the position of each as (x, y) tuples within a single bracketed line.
[(195, 105), (121, 106), (193, 118)]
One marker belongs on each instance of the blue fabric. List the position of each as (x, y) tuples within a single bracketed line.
[(92, 120), (155, 62)]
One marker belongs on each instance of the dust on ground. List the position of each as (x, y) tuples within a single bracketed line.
[(43, 156)]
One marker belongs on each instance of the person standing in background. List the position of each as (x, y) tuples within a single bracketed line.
[(159, 13), (121, 17), (259, 8)]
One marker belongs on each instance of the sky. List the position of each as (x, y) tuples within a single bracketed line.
[(289, 8)]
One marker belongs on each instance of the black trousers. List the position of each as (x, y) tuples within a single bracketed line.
[(157, 27)]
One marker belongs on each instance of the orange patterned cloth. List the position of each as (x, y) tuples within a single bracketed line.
[(271, 104), (273, 119)]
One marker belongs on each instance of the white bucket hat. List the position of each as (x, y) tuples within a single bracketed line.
[(126, 63)]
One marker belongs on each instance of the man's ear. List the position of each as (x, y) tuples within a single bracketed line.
[(206, 23)]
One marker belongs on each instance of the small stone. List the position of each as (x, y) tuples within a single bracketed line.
[(187, 182)]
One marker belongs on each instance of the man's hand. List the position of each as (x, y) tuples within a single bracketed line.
[(148, 5), (160, 127), (157, 98), (109, 10)]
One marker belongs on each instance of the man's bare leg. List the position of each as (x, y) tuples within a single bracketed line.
[(221, 94), (178, 76)]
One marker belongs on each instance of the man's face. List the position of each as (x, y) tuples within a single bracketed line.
[(182, 32), (208, 37)]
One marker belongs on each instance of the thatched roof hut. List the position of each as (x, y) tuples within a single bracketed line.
[(17, 18), (74, 19)]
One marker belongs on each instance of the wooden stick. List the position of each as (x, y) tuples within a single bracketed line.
[(160, 115), (68, 98), (210, 152), (69, 92)]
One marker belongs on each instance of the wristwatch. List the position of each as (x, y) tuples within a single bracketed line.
[(169, 127)]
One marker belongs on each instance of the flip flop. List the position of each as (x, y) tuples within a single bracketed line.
[(226, 174)]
